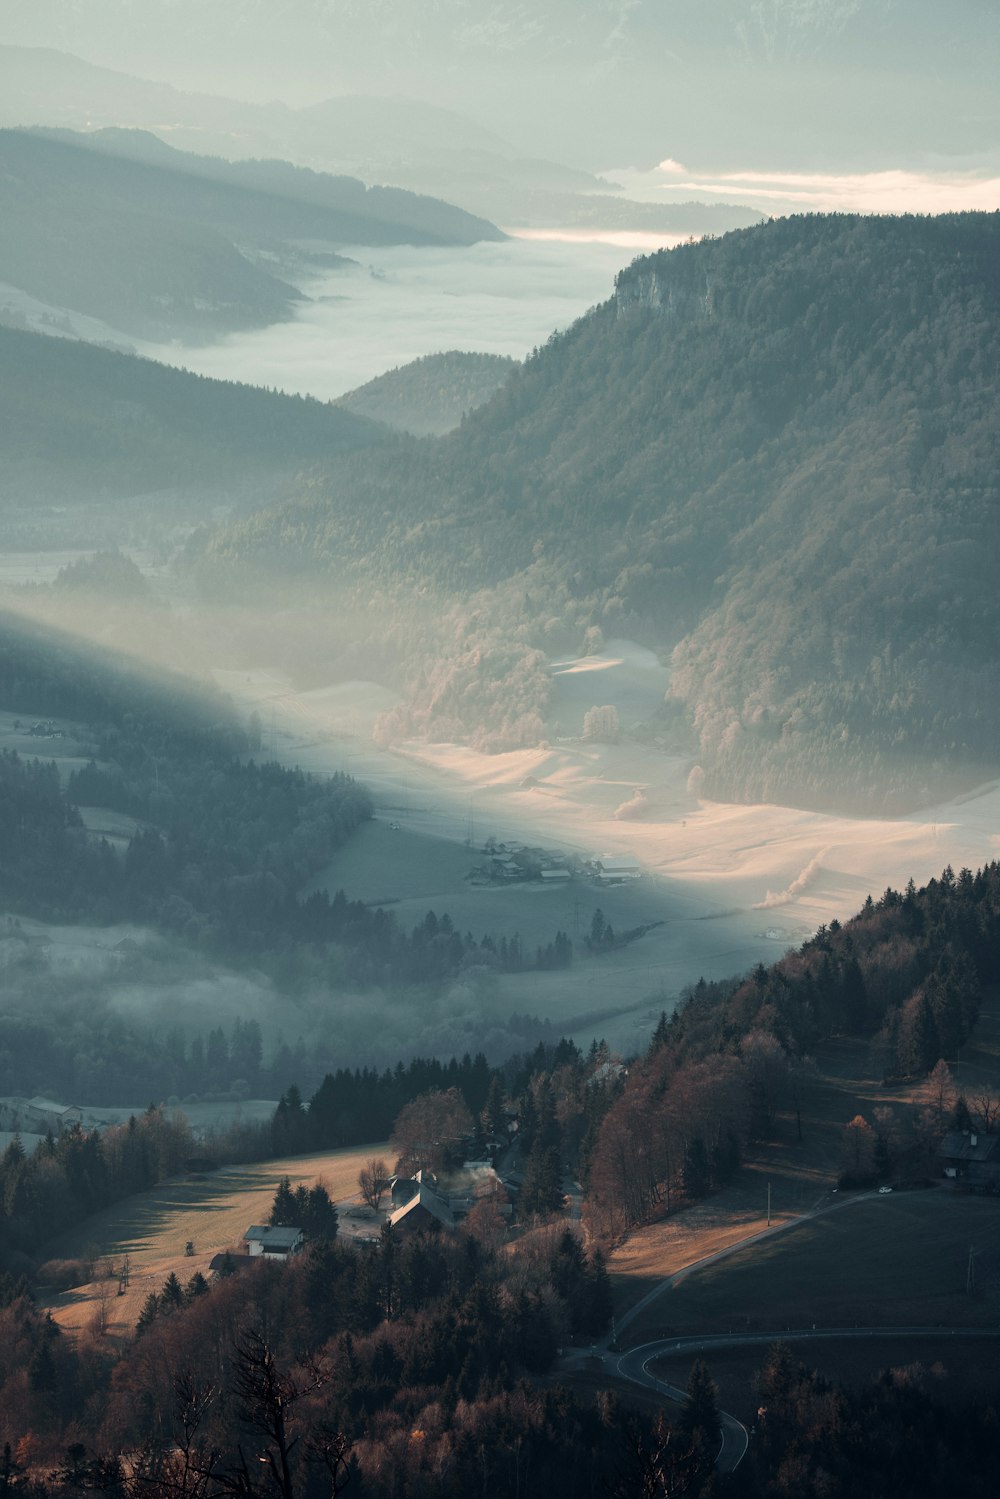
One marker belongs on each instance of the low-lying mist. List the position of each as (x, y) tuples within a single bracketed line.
[(123, 1016), (400, 304)]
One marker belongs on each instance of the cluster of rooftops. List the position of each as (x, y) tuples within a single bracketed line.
[(417, 1202), (515, 861)]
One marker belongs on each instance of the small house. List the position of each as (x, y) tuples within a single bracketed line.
[(274, 1243), (49, 1115), (972, 1157), (426, 1209), (617, 867)]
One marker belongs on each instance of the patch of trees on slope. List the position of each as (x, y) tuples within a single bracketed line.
[(907, 973), (775, 453), (430, 396)]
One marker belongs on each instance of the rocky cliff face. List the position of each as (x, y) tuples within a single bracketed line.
[(666, 285)]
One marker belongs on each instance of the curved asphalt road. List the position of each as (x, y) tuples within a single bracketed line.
[(634, 1365)]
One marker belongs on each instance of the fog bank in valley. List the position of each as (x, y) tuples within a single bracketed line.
[(400, 304)]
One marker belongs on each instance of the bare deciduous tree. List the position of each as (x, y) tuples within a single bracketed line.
[(984, 1107), (373, 1179), (431, 1131)]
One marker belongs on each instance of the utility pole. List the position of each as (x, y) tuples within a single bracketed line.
[(769, 1204), (970, 1274)]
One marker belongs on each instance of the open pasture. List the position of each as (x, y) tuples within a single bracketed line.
[(212, 1211), (894, 1261)]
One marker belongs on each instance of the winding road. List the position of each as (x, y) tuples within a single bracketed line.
[(634, 1365)]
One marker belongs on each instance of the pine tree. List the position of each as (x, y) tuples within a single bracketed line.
[(696, 1170), (699, 1419), (42, 1376), (661, 1035), (148, 1315), (283, 1208), (172, 1294), (541, 1191), (600, 1299)]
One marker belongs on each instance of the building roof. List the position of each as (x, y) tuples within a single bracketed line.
[(618, 862), (48, 1106), (271, 1237), (430, 1202), (226, 1262), (965, 1146), (555, 874)]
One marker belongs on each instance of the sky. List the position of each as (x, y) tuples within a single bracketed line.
[(763, 85)]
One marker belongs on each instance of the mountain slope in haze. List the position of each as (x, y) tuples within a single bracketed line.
[(108, 244), (394, 140), (122, 228), (430, 396), (593, 83), (81, 422), (297, 203), (774, 453), (549, 31)]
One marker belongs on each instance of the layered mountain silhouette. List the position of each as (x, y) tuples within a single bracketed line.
[(160, 243)]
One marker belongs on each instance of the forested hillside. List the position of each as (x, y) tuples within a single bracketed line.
[(430, 396), (774, 453), (81, 422)]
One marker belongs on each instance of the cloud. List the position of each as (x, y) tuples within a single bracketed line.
[(400, 303), (890, 191)]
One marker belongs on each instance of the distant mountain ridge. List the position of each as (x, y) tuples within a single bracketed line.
[(161, 244), (588, 30), (596, 82), (774, 453), (415, 145)]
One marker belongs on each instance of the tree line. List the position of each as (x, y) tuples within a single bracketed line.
[(907, 973)]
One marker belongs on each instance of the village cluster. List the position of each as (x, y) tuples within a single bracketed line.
[(506, 862)]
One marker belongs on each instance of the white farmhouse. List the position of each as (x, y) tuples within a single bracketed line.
[(273, 1243)]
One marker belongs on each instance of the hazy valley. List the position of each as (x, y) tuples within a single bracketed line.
[(499, 789)]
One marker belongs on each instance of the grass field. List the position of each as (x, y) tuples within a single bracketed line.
[(900, 1260), (801, 1173), (212, 1211)]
